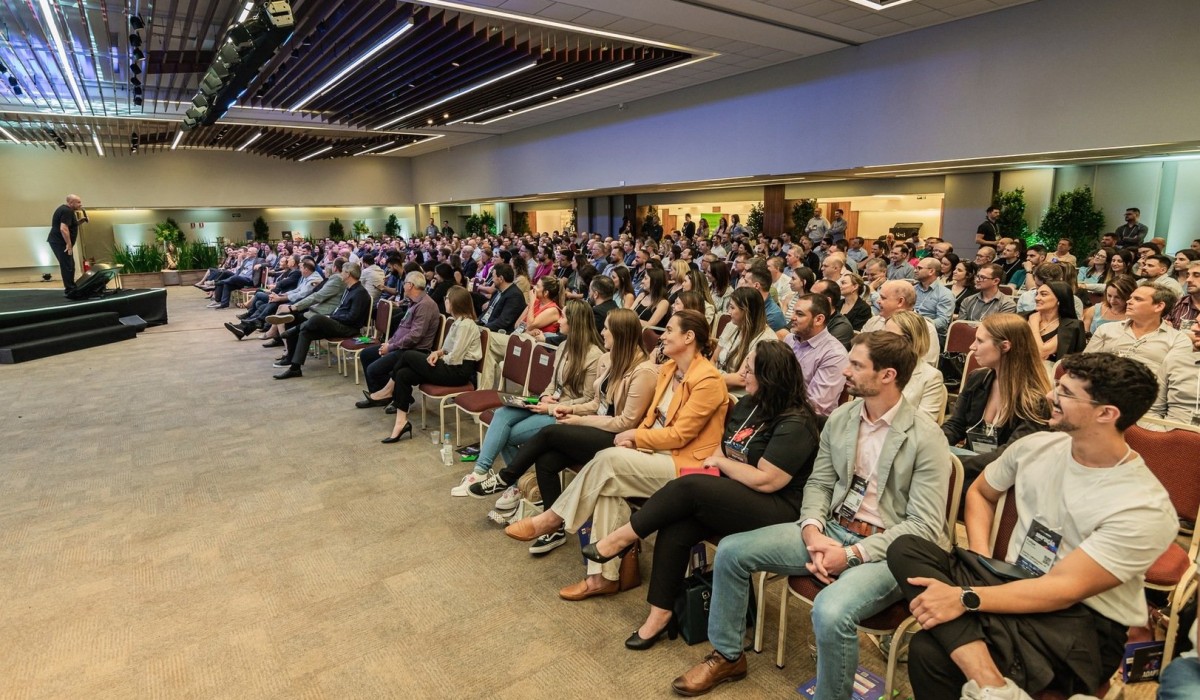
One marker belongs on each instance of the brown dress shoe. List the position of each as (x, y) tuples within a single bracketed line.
[(580, 591), (522, 530), (706, 675)]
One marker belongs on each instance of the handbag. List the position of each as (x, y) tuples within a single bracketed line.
[(631, 569), (692, 605)]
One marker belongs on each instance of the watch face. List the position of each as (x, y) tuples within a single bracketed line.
[(970, 600)]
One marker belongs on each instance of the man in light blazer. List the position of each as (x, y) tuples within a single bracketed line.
[(882, 470)]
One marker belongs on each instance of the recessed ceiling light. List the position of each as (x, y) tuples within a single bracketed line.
[(249, 141), (458, 94), (315, 154), (354, 64)]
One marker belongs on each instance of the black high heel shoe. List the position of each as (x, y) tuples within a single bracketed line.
[(407, 429), (636, 643), (591, 553)]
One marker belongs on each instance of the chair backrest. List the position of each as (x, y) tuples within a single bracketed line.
[(514, 368), (970, 365), (1008, 289), (541, 368), (1004, 523), (483, 345), (1059, 370), (959, 336), (955, 497), (941, 417), (650, 336), (382, 319), (446, 323), (1173, 457), (722, 321)]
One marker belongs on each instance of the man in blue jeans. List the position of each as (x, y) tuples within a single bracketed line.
[(883, 470)]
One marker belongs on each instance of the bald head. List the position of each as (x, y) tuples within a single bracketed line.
[(896, 295), (74, 201)]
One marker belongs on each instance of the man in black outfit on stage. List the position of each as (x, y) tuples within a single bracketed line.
[(62, 238)]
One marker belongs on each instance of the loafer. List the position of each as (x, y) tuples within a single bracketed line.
[(236, 331), (292, 371), (523, 530), (580, 591), (280, 318), (273, 343), (709, 673)]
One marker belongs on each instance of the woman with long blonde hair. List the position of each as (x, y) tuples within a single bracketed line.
[(1003, 400)]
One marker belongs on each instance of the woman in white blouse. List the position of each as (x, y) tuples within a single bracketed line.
[(747, 327), (452, 365), (925, 390)]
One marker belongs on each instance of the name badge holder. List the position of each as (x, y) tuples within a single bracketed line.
[(854, 498), (1039, 550), (982, 441), (737, 447)]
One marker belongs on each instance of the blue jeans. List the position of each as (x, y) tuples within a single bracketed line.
[(856, 595), (510, 428), (1181, 680)]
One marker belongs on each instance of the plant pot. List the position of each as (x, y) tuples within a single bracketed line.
[(170, 278), (191, 276), (142, 280)]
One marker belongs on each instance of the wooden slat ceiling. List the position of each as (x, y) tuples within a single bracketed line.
[(431, 76)]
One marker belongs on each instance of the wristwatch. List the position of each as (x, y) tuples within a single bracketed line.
[(969, 599), (852, 559)]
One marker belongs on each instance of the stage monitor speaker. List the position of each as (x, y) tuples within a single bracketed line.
[(135, 321), (91, 285)]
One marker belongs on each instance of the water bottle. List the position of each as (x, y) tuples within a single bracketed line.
[(447, 450)]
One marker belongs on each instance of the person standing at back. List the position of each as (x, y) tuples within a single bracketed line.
[(64, 231)]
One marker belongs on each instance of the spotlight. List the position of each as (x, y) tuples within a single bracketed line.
[(12, 80), (133, 138), (3, 68), (230, 55), (200, 101), (197, 113), (135, 68), (135, 22), (137, 54), (137, 102), (46, 277), (17, 90), (135, 39), (137, 90), (133, 80)]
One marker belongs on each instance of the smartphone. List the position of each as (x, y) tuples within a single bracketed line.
[(1003, 569)]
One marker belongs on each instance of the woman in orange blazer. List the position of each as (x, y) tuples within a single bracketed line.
[(682, 427)]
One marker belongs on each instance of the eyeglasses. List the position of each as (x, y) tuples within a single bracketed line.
[(983, 278), (1058, 397)]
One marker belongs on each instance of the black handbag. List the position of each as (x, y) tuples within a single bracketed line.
[(692, 605)]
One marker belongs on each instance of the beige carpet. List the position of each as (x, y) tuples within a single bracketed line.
[(174, 523)]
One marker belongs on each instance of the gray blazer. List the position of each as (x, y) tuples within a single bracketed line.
[(326, 299), (914, 476)]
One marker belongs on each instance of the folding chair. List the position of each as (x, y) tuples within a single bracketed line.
[(349, 350), (514, 372), (722, 321), (445, 394), (959, 337), (1008, 289), (970, 366), (896, 620), (650, 336)]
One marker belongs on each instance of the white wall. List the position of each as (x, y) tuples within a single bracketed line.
[(1039, 77)]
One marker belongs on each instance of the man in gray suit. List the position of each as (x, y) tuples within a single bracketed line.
[(322, 301), (882, 470)]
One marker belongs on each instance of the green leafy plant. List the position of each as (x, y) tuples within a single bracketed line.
[(471, 226), (754, 221), (198, 256), (487, 222), (336, 230), (573, 225), (802, 211), (1012, 214), (521, 222), (139, 258), (361, 230), (392, 227), (168, 232), (1073, 216), (261, 229)]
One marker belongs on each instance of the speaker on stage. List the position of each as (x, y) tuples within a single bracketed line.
[(92, 284)]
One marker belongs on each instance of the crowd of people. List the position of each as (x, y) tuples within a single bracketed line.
[(795, 408)]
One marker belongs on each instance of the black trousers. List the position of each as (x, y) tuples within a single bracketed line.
[(66, 263), (692, 508), (553, 449), (378, 369), (315, 328), (932, 672), (413, 369)]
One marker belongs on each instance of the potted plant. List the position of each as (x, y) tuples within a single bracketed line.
[(195, 259), (392, 227), (336, 230), (802, 211), (261, 230), (754, 221), (141, 265), (1073, 216), (1012, 214), (169, 236), (361, 230)]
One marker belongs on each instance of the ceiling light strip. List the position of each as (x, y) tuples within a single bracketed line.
[(178, 138), (353, 65), (557, 88), (460, 93), (96, 141), (60, 48), (877, 5), (592, 91), (374, 148), (414, 143), (250, 140), (314, 155), (574, 28), (245, 12), (7, 134)]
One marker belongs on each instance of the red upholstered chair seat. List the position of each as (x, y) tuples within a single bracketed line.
[(487, 416), (478, 401), (806, 587), (353, 344), (437, 391), (1169, 568)]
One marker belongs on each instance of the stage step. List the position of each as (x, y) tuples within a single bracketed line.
[(74, 324), (69, 342)]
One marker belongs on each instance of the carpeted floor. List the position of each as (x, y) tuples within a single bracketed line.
[(175, 523)]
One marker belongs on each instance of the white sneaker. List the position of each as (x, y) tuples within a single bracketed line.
[(471, 478), (511, 498), (1009, 691)]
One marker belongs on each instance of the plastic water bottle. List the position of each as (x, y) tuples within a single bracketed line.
[(447, 450)]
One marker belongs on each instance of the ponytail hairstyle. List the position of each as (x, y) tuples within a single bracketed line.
[(695, 323)]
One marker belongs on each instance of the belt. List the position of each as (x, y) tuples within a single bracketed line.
[(858, 527)]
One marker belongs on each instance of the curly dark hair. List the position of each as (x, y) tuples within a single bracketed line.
[(1112, 380)]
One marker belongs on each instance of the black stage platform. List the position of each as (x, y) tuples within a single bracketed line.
[(38, 323)]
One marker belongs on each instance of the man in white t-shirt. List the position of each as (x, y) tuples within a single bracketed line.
[(1091, 519)]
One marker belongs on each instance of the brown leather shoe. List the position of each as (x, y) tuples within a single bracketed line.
[(709, 673), (580, 591), (522, 530)]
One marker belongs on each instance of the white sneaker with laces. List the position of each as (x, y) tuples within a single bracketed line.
[(471, 478), (1009, 691), (511, 498)]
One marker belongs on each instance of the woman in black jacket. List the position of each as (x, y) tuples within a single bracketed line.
[(443, 280), (1005, 399), (1057, 331)]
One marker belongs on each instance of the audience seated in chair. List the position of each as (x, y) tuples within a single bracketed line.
[(418, 330), (1179, 383), (506, 304), (681, 429), (1091, 520), (346, 321), (822, 358), (747, 328), (897, 295), (881, 471), (323, 300), (925, 389), (1145, 335)]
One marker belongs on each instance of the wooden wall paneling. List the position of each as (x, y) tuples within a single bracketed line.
[(775, 211)]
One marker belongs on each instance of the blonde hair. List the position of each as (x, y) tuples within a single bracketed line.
[(912, 326)]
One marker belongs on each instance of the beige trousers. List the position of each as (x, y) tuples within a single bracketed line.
[(600, 489)]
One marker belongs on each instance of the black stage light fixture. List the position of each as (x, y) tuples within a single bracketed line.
[(135, 68), (137, 90), (133, 80), (135, 22), (17, 90), (137, 54), (135, 39), (3, 68), (12, 80), (137, 102)]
